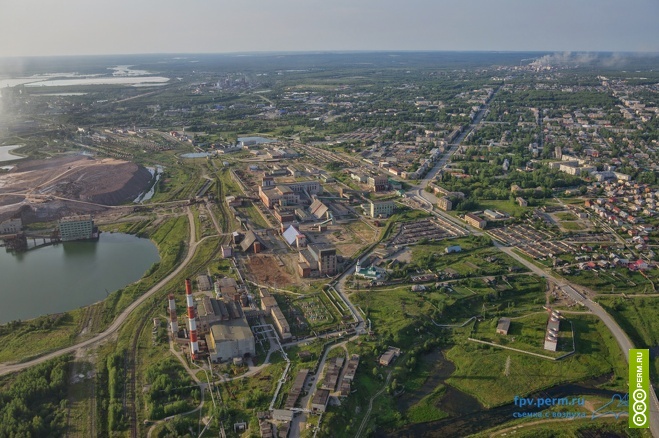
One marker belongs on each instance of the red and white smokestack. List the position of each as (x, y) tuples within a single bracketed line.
[(194, 345), (172, 315)]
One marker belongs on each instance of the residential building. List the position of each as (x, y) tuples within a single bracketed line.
[(251, 243), (475, 221), (445, 204), (389, 356)]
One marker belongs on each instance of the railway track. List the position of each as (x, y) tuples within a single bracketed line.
[(131, 373)]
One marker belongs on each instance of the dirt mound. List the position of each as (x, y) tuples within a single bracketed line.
[(107, 181), (58, 181)]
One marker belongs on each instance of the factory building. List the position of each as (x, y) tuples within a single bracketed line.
[(318, 260), (231, 339), (251, 243), (286, 194), (11, 226), (378, 183), (217, 329), (77, 228), (294, 238)]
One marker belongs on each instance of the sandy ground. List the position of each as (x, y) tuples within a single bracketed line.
[(44, 186)]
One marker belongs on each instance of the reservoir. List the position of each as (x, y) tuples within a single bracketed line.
[(69, 275), (6, 155), (255, 140)]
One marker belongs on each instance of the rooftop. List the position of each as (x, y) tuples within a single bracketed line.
[(233, 330)]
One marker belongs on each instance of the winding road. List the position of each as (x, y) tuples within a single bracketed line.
[(621, 337)]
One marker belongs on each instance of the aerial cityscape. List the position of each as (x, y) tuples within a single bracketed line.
[(295, 239)]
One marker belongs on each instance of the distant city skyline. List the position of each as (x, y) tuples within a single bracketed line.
[(76, 27)]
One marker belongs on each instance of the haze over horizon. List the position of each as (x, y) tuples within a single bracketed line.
[(43, 28)]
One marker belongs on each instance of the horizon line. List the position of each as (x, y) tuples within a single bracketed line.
[(332, 51)]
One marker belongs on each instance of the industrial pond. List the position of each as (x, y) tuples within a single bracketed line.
[(69, 275)]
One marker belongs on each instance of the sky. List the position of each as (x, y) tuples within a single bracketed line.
[(77, 27)]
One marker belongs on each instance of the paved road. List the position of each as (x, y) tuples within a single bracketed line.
[(619, 334), (339, 284), (116, 325), (430, 199), (456, 143)]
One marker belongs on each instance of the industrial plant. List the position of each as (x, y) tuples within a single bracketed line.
[(217, 328)]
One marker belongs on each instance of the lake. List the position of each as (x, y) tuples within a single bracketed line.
[(69, 275), (116, 80), (6, 155)]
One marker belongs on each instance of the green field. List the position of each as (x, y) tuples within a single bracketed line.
[(426, 409), (508, 206), (394, 313), (638, 318), (526, 333), (566, 216), (616, 280), (481, 370), (572, 226), (251, 212), (23, 340), (480, 261)]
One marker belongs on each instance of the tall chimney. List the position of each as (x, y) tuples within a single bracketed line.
[(194, 345), (172, 315)]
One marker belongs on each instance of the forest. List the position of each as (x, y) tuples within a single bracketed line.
[(33, 403)]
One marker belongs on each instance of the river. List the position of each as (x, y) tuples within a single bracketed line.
[(69, 275)]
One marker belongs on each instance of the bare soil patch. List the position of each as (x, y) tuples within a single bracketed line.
[(268, 270)]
